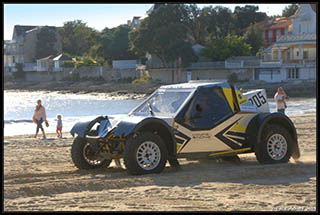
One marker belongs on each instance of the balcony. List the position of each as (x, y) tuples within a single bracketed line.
[(270, 63), (297, 37), (299, 62), (13, 52)]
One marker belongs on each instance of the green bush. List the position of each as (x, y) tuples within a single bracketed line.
[(68, 64), (143, 60), (143, 79)]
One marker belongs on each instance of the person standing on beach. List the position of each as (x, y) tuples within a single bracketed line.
[(59, 125), (39, 116), (280, 98)]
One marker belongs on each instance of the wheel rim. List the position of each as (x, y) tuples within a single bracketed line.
[(148, 155), (277, 146), (89, 156)]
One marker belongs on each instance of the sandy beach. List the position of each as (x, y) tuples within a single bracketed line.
[(40, 176)]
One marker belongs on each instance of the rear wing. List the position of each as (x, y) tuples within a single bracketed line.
[(259, 99)]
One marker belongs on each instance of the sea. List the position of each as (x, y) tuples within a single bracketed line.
[(19, 107)]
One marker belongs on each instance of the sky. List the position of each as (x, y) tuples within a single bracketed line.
[(97, 16)]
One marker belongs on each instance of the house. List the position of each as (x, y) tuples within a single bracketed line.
[(293, 56), (135, 22), (59, 61), (22, 47), (272, 28), (45, 64)]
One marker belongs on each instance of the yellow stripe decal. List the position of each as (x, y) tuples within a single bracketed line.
[(230, 152), (228, 94)]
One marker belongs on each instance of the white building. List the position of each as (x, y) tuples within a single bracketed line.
[(293, 55)]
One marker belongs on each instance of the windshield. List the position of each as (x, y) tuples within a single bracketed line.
[(162, 103)]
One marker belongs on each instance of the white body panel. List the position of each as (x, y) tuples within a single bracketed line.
[(208, 141), (259, 99)]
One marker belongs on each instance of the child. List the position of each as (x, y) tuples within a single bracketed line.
[(59, 126)]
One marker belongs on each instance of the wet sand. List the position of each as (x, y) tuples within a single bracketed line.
[(40, 176)]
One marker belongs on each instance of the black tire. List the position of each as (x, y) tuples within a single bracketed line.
[(266, 153), (77, 155), (135, 147)]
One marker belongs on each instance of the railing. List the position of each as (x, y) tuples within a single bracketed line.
[(251, 63), (57, 69), (28, 67), (297, 37), (271, 63), (299, 61), (207, 65), (13, 52), (42, 69), (233, 64), (159, 65)]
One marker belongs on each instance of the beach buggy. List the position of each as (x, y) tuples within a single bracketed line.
[(190, 120)]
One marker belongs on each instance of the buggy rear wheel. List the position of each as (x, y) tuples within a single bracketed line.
[(275, 145)]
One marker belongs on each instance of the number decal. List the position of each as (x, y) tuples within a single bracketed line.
[(258, 100), (263, 99)]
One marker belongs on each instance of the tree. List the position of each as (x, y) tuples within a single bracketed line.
[(230, 46), (290, 10), (78, 38), (161, 33), (247, 15), (215, 23), (224, 22), (195, 23), (114, 44), (45, 44), (254, 38)]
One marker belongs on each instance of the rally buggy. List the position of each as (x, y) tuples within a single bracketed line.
[(189, 120)]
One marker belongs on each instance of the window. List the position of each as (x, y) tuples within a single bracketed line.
[(288, 55), (162, 103), (305, 55), (13, 59), (270, 35), (208, 108), (293, 73), (299, 28)]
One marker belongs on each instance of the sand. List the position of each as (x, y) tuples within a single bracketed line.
[(40, 176)]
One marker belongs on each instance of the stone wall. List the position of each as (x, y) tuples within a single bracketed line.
[(84, 72), (171, 75)]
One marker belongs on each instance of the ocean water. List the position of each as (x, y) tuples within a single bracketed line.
[(19, 107)]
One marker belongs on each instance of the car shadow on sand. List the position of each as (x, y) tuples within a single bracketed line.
[(192, 173)]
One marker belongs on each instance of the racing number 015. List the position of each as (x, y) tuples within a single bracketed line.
[(258, 99)]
